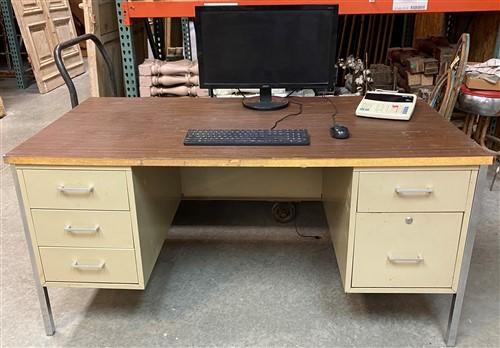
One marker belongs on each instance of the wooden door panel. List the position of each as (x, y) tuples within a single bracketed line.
[(57, 5), (100, 20), (38, 33), (64, 33), (43, 24), (38, 38), (29, 7), (62, 25)]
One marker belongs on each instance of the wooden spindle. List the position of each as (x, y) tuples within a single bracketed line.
[(175, 68), (166, 80), (179, 91)]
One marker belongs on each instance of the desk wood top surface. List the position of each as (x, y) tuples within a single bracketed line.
[(150, 132)]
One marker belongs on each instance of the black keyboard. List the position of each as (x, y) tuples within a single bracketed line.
[(247, 137)]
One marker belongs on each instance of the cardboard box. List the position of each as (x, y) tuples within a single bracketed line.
[(437, 47), (413, 79), (415, 64), (473, 82), (431, 66), (405, 79), (427, 80)]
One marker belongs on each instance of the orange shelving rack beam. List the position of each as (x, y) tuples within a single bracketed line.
[(185, 8)]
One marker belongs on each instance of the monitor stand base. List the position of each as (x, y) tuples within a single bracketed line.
[(265, 102)]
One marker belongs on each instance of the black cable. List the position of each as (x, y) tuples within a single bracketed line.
[(239, 90), (297, 228), (289, 115), (334, 113)]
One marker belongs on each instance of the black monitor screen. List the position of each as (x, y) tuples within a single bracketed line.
[(278, 46)]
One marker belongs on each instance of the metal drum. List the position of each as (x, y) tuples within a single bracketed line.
[(478, 102)]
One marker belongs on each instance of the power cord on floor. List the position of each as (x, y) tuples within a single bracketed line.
[(297, 227)]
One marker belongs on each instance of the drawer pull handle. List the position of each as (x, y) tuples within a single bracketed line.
[(84, 267), (82, 230), (75, 190), (417, 259), (402, 191)]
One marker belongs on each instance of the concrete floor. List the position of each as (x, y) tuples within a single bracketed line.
[(230, 276)]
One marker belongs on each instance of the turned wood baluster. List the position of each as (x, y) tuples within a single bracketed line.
[(174, 80), (174, 68), (179, 91)]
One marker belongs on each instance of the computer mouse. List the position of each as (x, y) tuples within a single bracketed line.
[(339, 132)]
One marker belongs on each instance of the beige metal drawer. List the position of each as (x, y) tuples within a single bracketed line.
[(83, 228), (77, 189), (425, 191), (405, 250), (88, 265)]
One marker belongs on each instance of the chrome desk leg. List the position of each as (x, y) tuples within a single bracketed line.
[(497, 170), (43, 295), (458, 298)]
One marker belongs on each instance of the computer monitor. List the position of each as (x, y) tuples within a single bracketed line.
[(276, 46)]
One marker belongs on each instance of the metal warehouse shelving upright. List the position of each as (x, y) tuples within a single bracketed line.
[(14, 45)]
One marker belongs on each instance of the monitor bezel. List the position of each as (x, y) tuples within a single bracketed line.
[(333, 45)]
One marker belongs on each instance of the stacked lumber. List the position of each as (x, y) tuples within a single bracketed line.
[(162, 78), (438, 48), (413, 69)]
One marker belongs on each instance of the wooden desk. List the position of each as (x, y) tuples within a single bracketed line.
[(99, 187), (149, 132)]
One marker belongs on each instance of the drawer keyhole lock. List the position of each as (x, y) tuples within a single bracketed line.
[(408, 220)]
